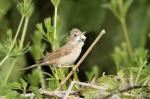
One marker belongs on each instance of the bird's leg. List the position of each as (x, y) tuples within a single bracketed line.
[(67, 66), (58, 65)]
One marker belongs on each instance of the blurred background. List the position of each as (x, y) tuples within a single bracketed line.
[(86, 15)]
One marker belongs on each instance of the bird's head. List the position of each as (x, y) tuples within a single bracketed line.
[(77, 36)]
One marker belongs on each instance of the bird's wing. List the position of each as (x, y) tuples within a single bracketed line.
[(58, 53)]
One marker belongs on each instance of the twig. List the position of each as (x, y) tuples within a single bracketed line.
[(129, 95), (51, 93), (28, 95), (124, 90), (82, 58), (126, 36), (59, 94), (82, 84)]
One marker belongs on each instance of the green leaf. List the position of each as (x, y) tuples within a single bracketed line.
[(140, 56), (119, 7), (6, 43), (23, 83), (55, 2), (38, 47), (5, 6), (91, 94), (26, 8), (127, 5), (14, 85), (120, 56), (34, 78), (40, 28), (149, 35), (13, 95), (109, 82), (36, 91), (123, 77), (53, 83), (48, 25), (94, 72)]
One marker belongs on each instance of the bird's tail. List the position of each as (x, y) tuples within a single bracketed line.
[(33, 66)]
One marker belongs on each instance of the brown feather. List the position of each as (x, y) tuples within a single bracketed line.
[(56, 54)]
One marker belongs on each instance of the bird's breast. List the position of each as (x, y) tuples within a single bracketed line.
[(71, 57)]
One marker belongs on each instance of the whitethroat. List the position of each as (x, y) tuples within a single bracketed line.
[(65, 55)]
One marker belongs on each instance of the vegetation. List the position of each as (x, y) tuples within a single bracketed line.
[(121, 71)]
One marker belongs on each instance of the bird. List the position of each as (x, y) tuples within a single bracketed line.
[(65, 55)]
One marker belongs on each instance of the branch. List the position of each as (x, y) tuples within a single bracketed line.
[(60, 94), (125, 90), (47, 93), (82, 58), (81, 84)]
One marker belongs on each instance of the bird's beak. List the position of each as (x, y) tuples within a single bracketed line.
[(83, 32)]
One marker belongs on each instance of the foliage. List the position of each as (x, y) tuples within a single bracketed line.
[(25, 8), (133, 72), (130, 57)]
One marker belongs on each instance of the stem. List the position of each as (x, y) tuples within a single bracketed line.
[(4, 59), (20, 24), (131, 78), (139, 72), (24, 93), (16, 35), (41, 78), (10, 70), (55, 28), (54, 45), (24, 32), (126, 36)]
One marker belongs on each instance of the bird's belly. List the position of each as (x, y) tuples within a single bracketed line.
[(70, 58)]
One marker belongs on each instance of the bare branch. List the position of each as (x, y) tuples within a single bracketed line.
[(82, 84)]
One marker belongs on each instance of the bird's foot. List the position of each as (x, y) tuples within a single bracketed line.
[(66, 66)]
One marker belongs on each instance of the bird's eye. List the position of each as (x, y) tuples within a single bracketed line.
[(75, 35)]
